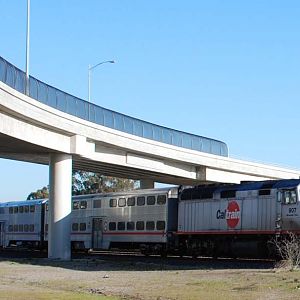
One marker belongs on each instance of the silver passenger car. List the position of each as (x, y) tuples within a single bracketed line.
[(21, 222), (135, 219)]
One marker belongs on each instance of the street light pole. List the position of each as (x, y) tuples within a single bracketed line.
[(90, 68), (27, 47)]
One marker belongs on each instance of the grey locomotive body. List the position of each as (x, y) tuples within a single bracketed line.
[(238, 219)]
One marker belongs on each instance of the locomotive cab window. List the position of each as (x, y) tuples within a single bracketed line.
[(288, 196)]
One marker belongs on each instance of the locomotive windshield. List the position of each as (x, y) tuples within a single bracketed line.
[(289, 196)]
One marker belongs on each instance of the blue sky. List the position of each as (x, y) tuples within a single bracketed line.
[(228, 70)]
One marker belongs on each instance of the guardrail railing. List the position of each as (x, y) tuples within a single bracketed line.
[(16, 78)]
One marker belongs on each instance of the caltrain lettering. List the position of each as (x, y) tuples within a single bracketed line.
[(221, 214)]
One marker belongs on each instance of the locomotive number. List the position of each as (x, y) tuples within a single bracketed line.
[(292, 210)]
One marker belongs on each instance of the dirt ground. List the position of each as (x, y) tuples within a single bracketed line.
[(143, 280)]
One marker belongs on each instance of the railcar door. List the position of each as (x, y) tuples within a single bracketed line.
[(278, 217), (97, 233), (1, 234)]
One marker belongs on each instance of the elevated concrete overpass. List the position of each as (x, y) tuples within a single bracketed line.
[(51, 127)]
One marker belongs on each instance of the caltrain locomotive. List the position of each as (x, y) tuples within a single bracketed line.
[(214, 220)]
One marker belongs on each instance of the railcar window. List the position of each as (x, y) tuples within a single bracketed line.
[(26, 208), (160, 225), (113, 202), (31, 227), (228, 194), (26, 227), (11, 210), (47, 206), (21, 209), (130, 225), (140, 201), (75, 227), (264, 192), (82, 227), (1, 210), (150, 200), (46, 227), (112, 226), (15, 228), (76, 205), (32, 208), (140, 225), (121, 202), (16, 209), (150, 225), (97, 203), (121, 225), (83, 204), (20, 228), (161, 199), (131, 201), (10, 228)]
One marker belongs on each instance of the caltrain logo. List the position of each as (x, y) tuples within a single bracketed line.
[(232, 214)]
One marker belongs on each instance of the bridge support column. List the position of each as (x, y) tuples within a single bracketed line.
[(60, 197), (146, 184)]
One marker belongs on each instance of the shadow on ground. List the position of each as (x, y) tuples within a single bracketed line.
[(125, 262)]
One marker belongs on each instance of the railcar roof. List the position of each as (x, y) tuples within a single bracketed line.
[(261, 185), (24, 202), (126, 193)]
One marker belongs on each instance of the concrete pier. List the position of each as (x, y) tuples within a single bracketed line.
[(60, 200)]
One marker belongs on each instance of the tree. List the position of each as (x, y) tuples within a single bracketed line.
[(288, 248), (39, 194), (90, 183)]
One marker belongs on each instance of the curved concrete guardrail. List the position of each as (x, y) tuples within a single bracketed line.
[(38, 90)]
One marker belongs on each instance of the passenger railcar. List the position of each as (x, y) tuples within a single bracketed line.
[(136, 219), (22, 222)]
